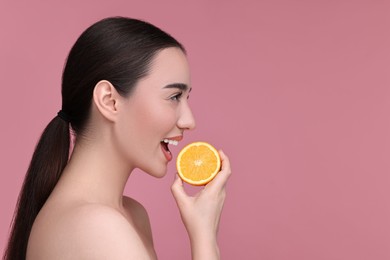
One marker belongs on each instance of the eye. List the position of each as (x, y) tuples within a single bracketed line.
[(176, 97)]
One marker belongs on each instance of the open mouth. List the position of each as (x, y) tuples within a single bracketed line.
[(164, 144)]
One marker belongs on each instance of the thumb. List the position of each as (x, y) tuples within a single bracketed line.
[(178, 189)]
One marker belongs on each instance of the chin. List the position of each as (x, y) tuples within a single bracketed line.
[(158, 171)]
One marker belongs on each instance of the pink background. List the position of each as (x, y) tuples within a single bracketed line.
[(296, 92)]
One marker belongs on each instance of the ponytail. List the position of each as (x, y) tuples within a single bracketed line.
[(48, 161)]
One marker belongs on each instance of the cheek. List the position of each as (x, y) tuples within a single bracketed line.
[(156, 118)]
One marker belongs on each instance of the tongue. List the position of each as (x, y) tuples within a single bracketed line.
[(165, 149)]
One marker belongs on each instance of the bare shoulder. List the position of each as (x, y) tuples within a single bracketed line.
[(90, 231), (107, 232)]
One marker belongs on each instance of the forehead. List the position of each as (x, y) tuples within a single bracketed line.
[(168, 66)]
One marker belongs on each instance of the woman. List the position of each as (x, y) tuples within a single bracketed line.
[(124, 90)]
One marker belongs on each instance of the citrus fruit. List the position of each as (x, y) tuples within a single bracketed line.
[(198, 163)]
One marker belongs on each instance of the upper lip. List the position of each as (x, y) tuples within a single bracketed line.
[(175, 138)]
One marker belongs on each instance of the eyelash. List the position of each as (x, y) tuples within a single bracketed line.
[(177, 96)]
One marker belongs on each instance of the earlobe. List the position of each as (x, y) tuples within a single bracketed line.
[(105, 98)]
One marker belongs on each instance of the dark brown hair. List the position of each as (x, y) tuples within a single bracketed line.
[(116, 49)]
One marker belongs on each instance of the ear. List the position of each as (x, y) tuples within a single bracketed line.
[(105, 98)]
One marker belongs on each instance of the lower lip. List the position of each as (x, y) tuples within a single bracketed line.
[(167, 154)]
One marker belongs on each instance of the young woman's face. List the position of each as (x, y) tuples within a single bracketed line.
[(156, 110)]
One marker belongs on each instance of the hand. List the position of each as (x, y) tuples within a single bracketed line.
[(201, 213)]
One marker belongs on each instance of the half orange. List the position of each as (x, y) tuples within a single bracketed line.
[(198, 163)]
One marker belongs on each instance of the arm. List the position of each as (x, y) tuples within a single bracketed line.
[(201, 213)]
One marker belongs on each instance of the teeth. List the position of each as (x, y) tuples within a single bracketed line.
[(172, 142)]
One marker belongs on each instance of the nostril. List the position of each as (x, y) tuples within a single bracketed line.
[(193, 126)]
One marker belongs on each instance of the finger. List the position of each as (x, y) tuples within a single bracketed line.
[(222, 177)]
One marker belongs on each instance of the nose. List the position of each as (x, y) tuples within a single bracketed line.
[(186, 119)]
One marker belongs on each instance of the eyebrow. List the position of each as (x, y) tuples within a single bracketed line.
[(181, 86)]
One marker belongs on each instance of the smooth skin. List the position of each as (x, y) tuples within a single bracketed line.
[(87, 216)]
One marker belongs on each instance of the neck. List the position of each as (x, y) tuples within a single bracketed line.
[(95, 173)]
